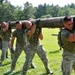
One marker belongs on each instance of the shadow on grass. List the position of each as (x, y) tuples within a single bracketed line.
[(15, 73), (6, 64), (56, 51), (44, 74), (18, 72)]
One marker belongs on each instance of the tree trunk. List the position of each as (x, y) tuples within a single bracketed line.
[(56, 22)]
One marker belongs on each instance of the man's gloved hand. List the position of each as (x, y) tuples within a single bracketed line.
[(40, 30), (36, 22)]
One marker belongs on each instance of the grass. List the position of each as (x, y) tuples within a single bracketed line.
[(54, 55)]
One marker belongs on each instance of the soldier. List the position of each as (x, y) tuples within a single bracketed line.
[(0, 38), (33, 36), (1, 42), (68, 39), (6, 34), (21, 44)]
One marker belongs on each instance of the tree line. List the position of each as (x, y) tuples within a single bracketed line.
[(9, 12)]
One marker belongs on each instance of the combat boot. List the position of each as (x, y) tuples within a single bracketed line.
[(7, 54), (32, 66), (10, 72), (49, 71)]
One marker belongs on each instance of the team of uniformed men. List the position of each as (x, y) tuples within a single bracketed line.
[(28, 40)]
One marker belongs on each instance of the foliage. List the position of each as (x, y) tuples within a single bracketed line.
[(29, 11), (9, 12), (46, 16)]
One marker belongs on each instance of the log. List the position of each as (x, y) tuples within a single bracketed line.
[(55, 22)]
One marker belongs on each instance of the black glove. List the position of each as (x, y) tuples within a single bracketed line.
[(37, 22), (40, 30)]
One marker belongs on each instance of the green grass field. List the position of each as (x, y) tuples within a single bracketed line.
[(54, 55)]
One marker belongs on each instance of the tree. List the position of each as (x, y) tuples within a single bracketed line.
[(7, 12), (28, 11), (1, 1), (19, 13), (40, 10), (46, 16), (55, 11), (1, 7)]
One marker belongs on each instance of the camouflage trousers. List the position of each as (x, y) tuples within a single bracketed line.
[(68, 63), (31, 53), (5, 46), (18, 51), (1, 44)]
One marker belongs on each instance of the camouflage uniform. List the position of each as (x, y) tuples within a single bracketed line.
[(5, 43), (21, 44), (33, 48), (0, 40), (0, 43), (68, 53)]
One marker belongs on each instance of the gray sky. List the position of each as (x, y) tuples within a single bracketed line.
[(37, 2)]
